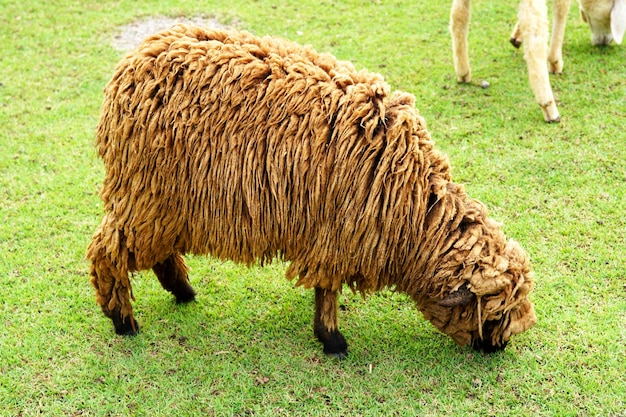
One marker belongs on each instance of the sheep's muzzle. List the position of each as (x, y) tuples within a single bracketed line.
[(486, 346)]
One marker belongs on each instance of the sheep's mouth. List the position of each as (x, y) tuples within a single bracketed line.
[(486, 346), (484, 341)]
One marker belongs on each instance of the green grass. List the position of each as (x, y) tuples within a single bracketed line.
[(246, 346)]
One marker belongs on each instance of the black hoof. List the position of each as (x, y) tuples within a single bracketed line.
[(335, 344), (340, 355), (172, 274), (127, 331), (128, 327), (516, 43), (186, 296)]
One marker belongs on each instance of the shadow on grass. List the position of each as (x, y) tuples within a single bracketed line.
[(258, 322)]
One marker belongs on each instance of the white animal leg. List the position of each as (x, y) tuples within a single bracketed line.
[(459, 25), (516, 36), (559, 19), (533, 25)]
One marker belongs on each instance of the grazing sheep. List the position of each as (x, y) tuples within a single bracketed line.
[(532, 29), (217, 142), (606, 18)]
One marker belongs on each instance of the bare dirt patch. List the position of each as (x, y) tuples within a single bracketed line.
[(132, 34)]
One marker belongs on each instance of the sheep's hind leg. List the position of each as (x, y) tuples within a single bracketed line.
[(325, 324), (112, 285), (172, 274)]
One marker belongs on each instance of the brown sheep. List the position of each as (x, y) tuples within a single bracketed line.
[(217, 142)]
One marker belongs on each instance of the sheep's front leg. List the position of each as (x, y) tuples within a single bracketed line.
[(533, 25), (459, 27), (325, 324)]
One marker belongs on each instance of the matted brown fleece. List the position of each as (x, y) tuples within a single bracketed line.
[(221, 143)]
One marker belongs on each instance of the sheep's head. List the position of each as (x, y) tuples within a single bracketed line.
[(607, 20), (490, 303)]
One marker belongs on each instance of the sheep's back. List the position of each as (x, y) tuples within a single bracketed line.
[(219, 142)]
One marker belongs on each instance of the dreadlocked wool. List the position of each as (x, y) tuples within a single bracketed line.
[(221, 143)]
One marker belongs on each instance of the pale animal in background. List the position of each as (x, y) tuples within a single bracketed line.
[(532, 28), (606, 18)]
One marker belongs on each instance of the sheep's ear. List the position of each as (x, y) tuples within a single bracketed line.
[(618, 21), (460, 297)]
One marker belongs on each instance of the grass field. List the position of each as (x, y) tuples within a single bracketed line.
[(246, 346)]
